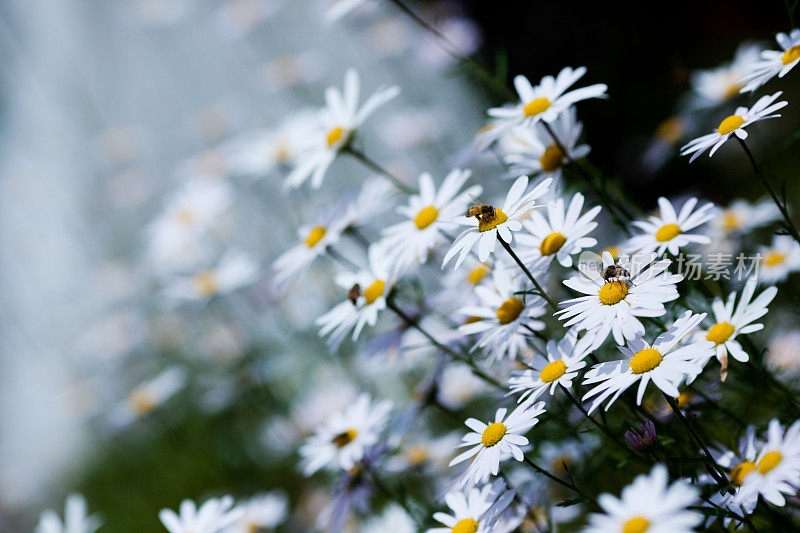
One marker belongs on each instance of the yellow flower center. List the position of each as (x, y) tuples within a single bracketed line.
[(252, 527), (668, 232), (477, 274), (730, 221), (185, 216), (493, 434), (791, 55), (426, 217), (315, 235), (552, 158), (141, 401), (534, 107), (769, 461), (730, 124), (685, 398), (374, 291), (636, 525), (670, 130), (344, 438), (334, 136), (473, 319), (774, 258), (613, 250), (487, 223), (552, 243), (467, 525), (417, 455), (733, 90), (205, 283), (613, 292), (719, 333), (645, 361), (510, 310), (741, 471), (553, 371)]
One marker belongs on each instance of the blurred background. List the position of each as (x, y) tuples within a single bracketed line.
[(107, 108)]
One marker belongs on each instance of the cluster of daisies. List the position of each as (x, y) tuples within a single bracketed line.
[(520, 287)]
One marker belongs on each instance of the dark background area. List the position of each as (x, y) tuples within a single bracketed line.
[(645, 52)]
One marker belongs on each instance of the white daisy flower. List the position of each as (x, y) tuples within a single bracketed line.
[(148, 396), (783, 352), (425, 216), (76, 518), (734, 124), (314, 240), (502, 317), (531, 149), (367, 290), (233, 271), (178, 237), (339, 121), (213, 516), (663, 363), (667, 231), (263, 511), (774, 62), (613, 306), (458, 385), (736, 318), (344, 437), (497, 441), (501, 222), (559, 367), (470, 511), (740, 463), (546, 101), (393, 518), (649, 504), (778, 260), (775, 472), (718, 85), (375, 197), (560, 235), (741, 216)]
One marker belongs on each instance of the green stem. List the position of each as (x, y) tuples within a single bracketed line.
[(527, 272), (372, 165)]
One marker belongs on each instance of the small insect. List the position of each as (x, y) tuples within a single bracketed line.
[(613, 273), (354, 293), (479, 210)]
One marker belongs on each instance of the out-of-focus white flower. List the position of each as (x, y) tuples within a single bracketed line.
[(718, 85), (784, 351), (343, 439), (234, 271), (76, 518), (338, 122), (774, 62), (735, 124), (263, 511), (741, 216), (393, 518), (341, 8), (236, 18), (148, 396), (663, 363), (650, 503), (458, 385), (667, 231), (461, 33), (779, 259), (500, 223), (213, 516), (290, 70), (178, 237), (532, 150), (545, 101)]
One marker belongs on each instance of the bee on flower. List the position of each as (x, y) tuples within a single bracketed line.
[(779, 259), (734, 318), (343, 438), (531, 149), (664, 362), (650, 503), (366, 292), (495, 442), (338, 123), (214, 516), (233, 271), (489, 223), (76, 518), (775, 471), (734, 124), (425, 216), (503, 317), (774, 62), (667, 231), (559, 235), (544, 102), (559, 367), (616, 294)]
